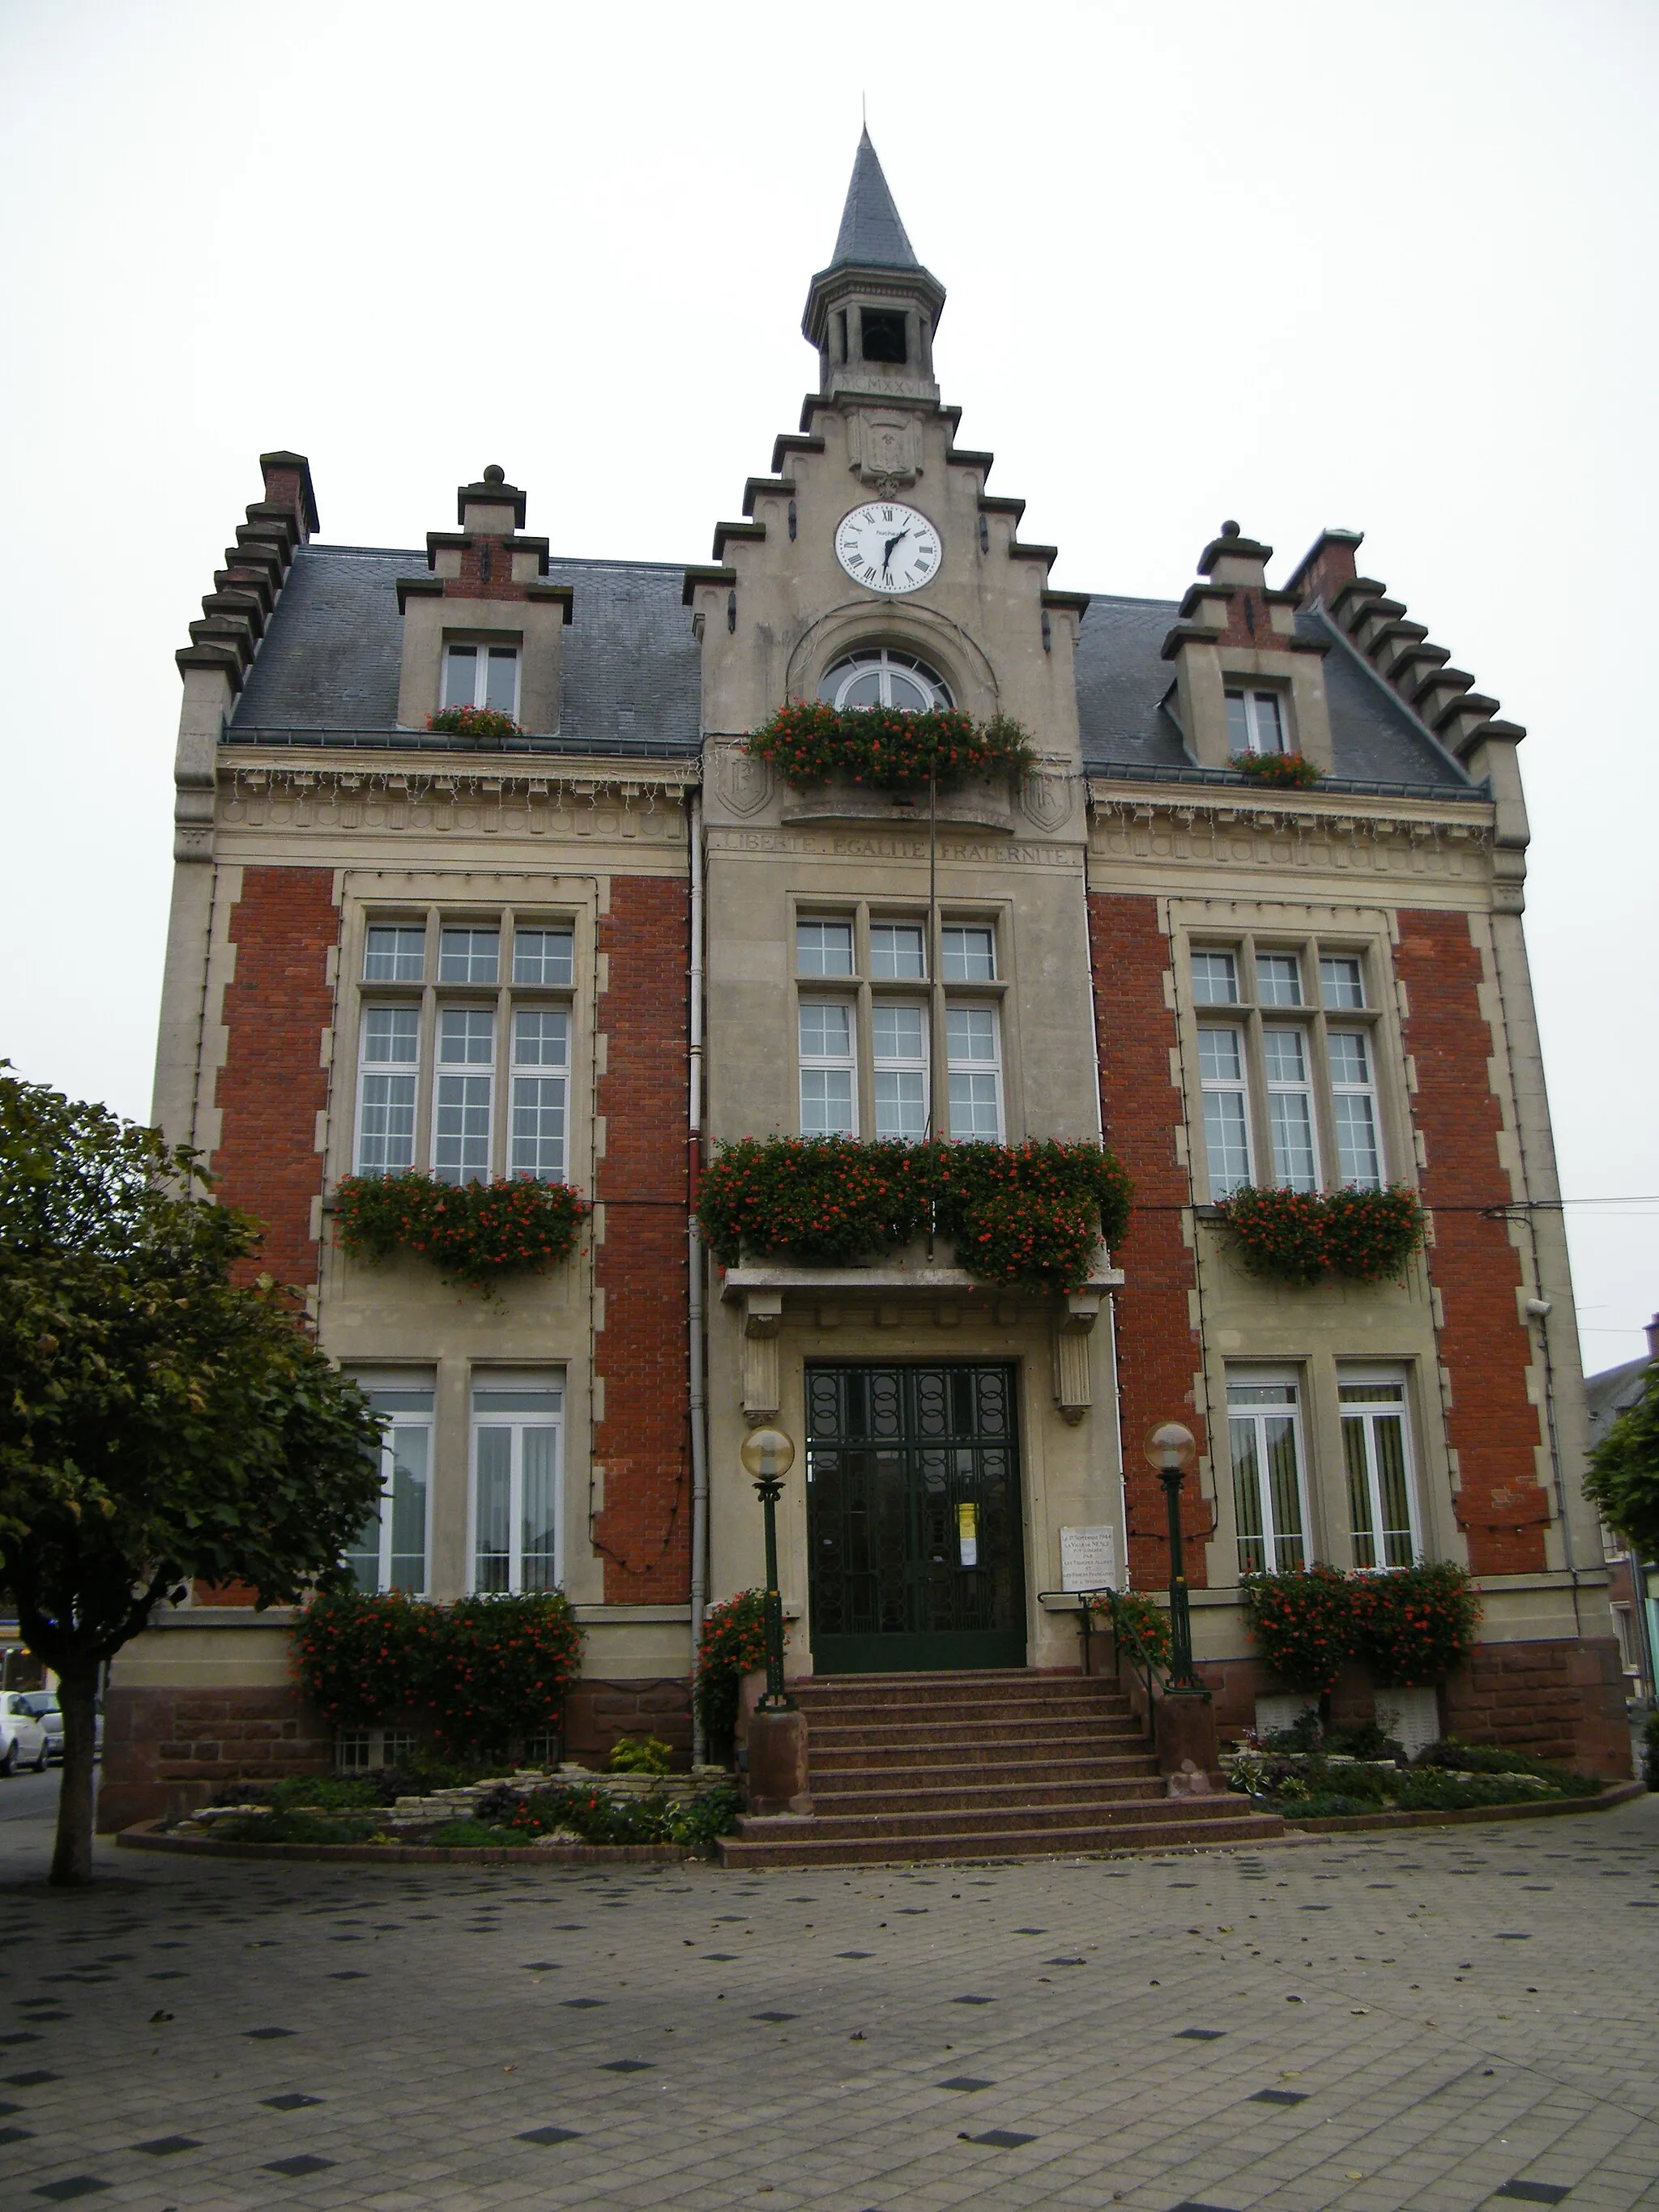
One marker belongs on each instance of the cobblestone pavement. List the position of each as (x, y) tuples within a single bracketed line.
[(1442, 2019)]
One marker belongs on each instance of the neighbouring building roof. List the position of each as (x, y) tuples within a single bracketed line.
[(1614, 1391), (329, 662)]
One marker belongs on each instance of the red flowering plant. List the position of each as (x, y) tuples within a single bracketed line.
[(356, 1655), (810, 741), (1280, 771), (1303, 1621), (732, 1644), (1138, 1621), (474, 1233), (1023, 1215), (480, 723), (1305, 1237), (1413, 1624)]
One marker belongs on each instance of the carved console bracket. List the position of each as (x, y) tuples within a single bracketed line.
[(763, 1318), (1073, 1325)]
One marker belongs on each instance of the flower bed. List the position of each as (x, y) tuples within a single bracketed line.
[(1410, 1626), (1279, 771), (1022, 1215), (479, 722), (1308, 1236), (478, 1675), (809, 741), (474, 1233), (1447, 1778)]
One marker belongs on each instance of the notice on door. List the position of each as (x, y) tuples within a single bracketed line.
[(968, 1531), (1088, 1559)]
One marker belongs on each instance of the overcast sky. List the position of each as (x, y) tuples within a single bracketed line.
[(1389, 268)]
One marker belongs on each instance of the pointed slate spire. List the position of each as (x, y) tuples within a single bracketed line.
[(871, 236)]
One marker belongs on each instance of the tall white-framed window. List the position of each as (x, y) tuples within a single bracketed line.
[(1377, 1452), (1226, 1110), (1353, 1109), (968, 954), (823, 947), (828, 1069), (1341, 982), (899, 1033), (897, 952), (544, 956), (395, 952), (1255, 722), (394, 1547), (1264, 1439), (1215, 979), (464, 1097), (1291, 1109), (974, 1071), (481, 675), (540, 1077), (516, 1424), (387, 1068), (467, 954)]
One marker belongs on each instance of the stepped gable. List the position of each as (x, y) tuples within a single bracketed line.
[(246, 590), (982, 1764)]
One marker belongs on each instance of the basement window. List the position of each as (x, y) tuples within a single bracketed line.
[(883, 335)]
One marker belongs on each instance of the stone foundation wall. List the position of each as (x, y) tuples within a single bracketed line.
[(1560, 1699), (167, 1751), (598, 1712)]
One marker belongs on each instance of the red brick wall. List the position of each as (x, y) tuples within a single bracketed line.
[(1158, 1347), (273, 1084), (643, 1442), (1491, 1425)]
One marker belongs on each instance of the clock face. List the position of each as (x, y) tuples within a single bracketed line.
[(888, 547)]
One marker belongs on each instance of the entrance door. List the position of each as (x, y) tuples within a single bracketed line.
[(913, 1488)]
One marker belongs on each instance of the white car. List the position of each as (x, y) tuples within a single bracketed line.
[(22, 1737), (44, 1704)]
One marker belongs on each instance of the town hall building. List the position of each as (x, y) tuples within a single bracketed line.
[(600, 949)]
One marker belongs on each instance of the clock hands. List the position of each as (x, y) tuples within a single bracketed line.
[(891, 543)]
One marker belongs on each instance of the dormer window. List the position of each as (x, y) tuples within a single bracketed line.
[(481, 675), (879, 677), (883, 335), (1255, 722)]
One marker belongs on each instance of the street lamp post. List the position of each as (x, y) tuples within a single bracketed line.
[(1171, 1448), (768, 1454)]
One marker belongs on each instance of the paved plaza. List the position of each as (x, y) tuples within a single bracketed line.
[(1443, 2019)]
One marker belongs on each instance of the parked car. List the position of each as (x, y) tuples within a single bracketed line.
[(22, 1736), (44, 1704)]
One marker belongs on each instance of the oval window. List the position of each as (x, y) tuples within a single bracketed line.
[(877, 677)]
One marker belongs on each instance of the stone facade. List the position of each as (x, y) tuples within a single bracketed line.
[(1054, 960)]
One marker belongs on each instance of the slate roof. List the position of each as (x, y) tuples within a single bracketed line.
[(871, 236), (1121, 682), (1614, 1391), (632, 679), (330, 660)]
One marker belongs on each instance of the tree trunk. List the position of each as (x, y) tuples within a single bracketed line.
[(71, 1859)]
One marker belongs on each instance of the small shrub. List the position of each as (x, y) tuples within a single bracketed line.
[(1651, 1752), (471, 1834), (1330, 1804), (1426, 1791), (326, 1793), (296, 1827), (711, 1814), (502, 1666), (733, 1644), (641, 1754), (1488, 1759), (1302, 1620), (1364, 1739), (1413, 1624), (1303, 1734)]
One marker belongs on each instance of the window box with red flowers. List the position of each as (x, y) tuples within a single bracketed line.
[(1031, 1215), (1278, 771), (809, 742), (1308, 1237), (1409, 1625), (476, 1234), (479, 723)]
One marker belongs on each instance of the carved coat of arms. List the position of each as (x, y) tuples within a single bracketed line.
[(742, 783)]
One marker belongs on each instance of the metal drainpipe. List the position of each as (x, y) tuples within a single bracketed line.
[(695, 1271), (1100, 1131)]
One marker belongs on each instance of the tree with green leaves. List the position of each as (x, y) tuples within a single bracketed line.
[(161, 1421), (1622, 1481)]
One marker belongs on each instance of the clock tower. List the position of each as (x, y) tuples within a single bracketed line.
[(873, 313)]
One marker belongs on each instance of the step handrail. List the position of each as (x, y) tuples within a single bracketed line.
[(1125, 1635)]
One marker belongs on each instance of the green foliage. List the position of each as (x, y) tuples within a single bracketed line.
[(641, 1754), (809, 741), (1501, 1759), (1651, 1752), (1282, 771), (476, 1234), (712, 1812), (481, 1674), (1410, 1625), (1413, 1624), (1138, 1622), (589, 1811), (732, 1644), (326, 1793), (161, 1421), (1305, 1237), (294, 1828), (1332, 1804), (1622, 1481), (1302, 1620), (474, 1834), (480, 722), (1028, 1215), (1364, 1739)]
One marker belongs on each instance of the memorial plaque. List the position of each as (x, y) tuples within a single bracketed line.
[(1088, 1559)]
